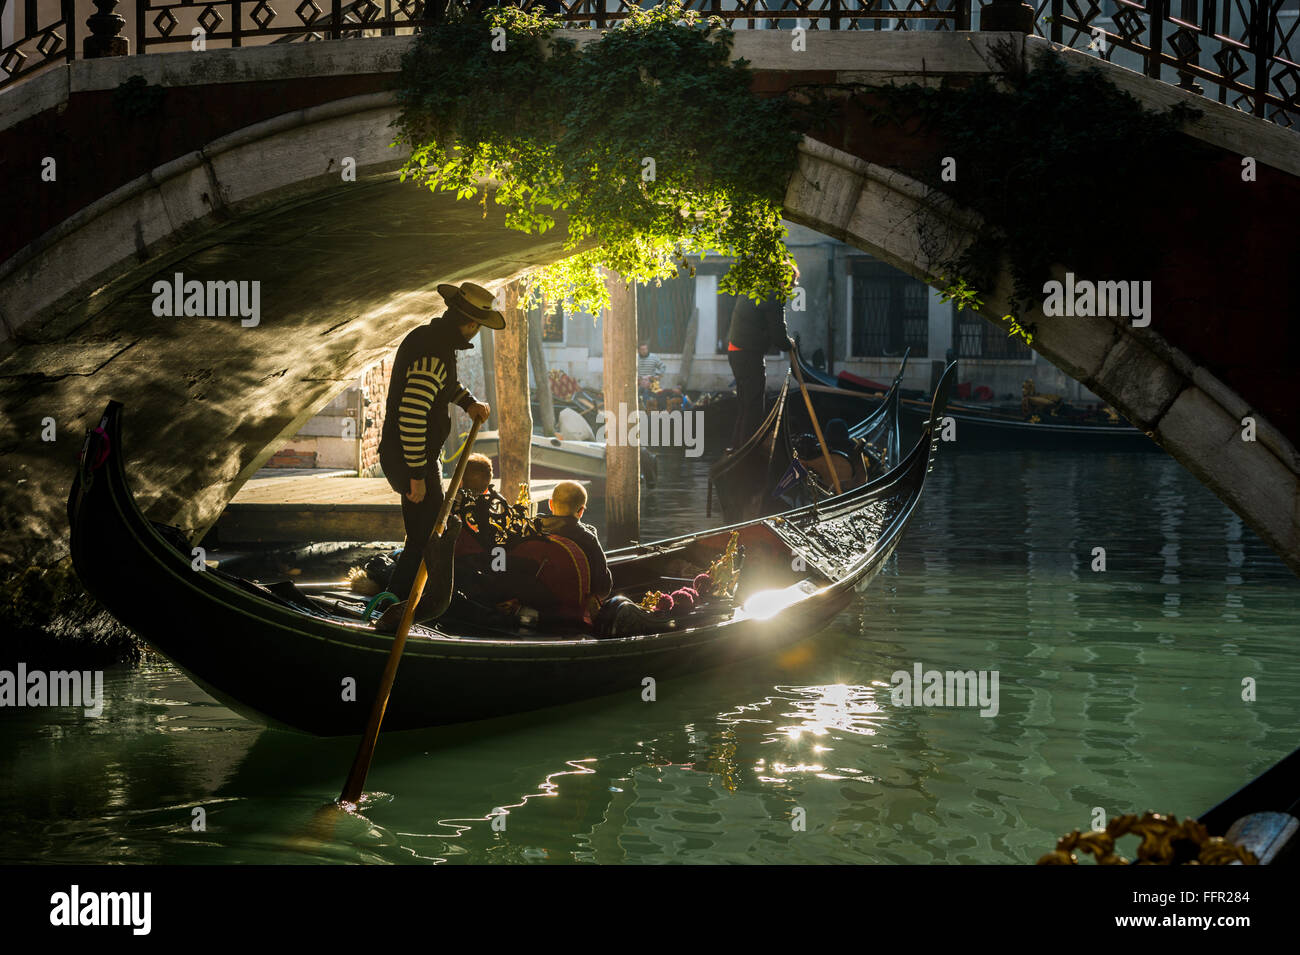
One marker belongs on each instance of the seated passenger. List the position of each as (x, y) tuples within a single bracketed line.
[(477, 481), (839, 439), (478, 473), (568, 502), (474, 550), (810, 455)]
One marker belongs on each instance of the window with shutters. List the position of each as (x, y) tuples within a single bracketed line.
[(890, 311)]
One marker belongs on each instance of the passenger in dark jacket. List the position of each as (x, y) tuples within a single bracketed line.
[(417, 419), (755, 330), (568, 502)]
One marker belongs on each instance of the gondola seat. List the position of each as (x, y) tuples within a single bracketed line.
[(843, 465), (550, 574), (564, 575), (468, 545)]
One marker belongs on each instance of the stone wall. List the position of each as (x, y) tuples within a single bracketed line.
[(374, 396)]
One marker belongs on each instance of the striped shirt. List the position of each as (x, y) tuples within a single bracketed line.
[(424, 379), (651, 366)]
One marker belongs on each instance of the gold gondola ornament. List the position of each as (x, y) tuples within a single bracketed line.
[(1164, 841), (723, 572), (651, 601), (719, 581)]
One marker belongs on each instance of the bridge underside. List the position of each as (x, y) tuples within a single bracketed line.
[(344, 275)]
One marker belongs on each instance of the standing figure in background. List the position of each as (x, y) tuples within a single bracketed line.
[(648, 365), (650, 369), (417, 417), (755, 330)]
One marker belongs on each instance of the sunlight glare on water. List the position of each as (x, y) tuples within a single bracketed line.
[(1120, 690)]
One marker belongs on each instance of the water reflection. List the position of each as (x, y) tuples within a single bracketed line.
[(1120, 689)]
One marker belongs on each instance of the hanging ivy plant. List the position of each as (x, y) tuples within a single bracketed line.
[(1040, 155), (650, 141)]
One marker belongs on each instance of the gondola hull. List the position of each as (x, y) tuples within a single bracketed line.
[(280, 659), (307, 680), (1275, 790), (979, 429), (980, 432)]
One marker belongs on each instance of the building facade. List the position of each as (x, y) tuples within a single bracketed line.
[(858, 314)]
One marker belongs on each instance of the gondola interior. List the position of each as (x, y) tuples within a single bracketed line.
[(761, 477)]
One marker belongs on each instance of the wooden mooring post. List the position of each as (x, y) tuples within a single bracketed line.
[(541, 376), (510, 358), (488, 352), (622, 458)]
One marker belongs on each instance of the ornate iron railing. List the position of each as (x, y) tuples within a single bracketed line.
[(1252, 45), (322, 19), (1245, 49), (46, 37)]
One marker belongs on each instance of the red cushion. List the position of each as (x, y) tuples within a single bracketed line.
[(858, 381), (564, 572), (466, 544)]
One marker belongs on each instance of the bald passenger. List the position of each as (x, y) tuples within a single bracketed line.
[(568, 502)]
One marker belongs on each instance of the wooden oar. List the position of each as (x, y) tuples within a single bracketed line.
[(356, 782), (817, 428)]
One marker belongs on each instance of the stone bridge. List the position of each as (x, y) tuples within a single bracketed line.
[(233, 171)]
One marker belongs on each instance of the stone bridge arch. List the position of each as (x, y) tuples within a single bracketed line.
[(75, 300)]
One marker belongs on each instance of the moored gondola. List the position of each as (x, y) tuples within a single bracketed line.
[(1264, 815), (980, 425), (752, 480), (281, 657)]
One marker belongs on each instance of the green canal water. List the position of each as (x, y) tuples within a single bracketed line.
[(1120, 690)]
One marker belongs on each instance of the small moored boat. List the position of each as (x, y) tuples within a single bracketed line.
[(980, 425), (556, 457)]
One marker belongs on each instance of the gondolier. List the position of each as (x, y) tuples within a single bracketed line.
[(764, 475), (754, 331), (417, 419)]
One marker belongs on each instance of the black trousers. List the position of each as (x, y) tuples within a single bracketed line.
[(751, 390), (418, 520)]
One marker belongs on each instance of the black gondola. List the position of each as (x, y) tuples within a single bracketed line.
[(1262, 814), (281, 657), (978, 426), (745, 481)]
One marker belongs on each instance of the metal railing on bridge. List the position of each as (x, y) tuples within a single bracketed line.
[(1242, 49)]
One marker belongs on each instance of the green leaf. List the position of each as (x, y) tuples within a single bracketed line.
[(565, 131)]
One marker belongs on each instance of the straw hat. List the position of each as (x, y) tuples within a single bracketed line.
[(473, 302)]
